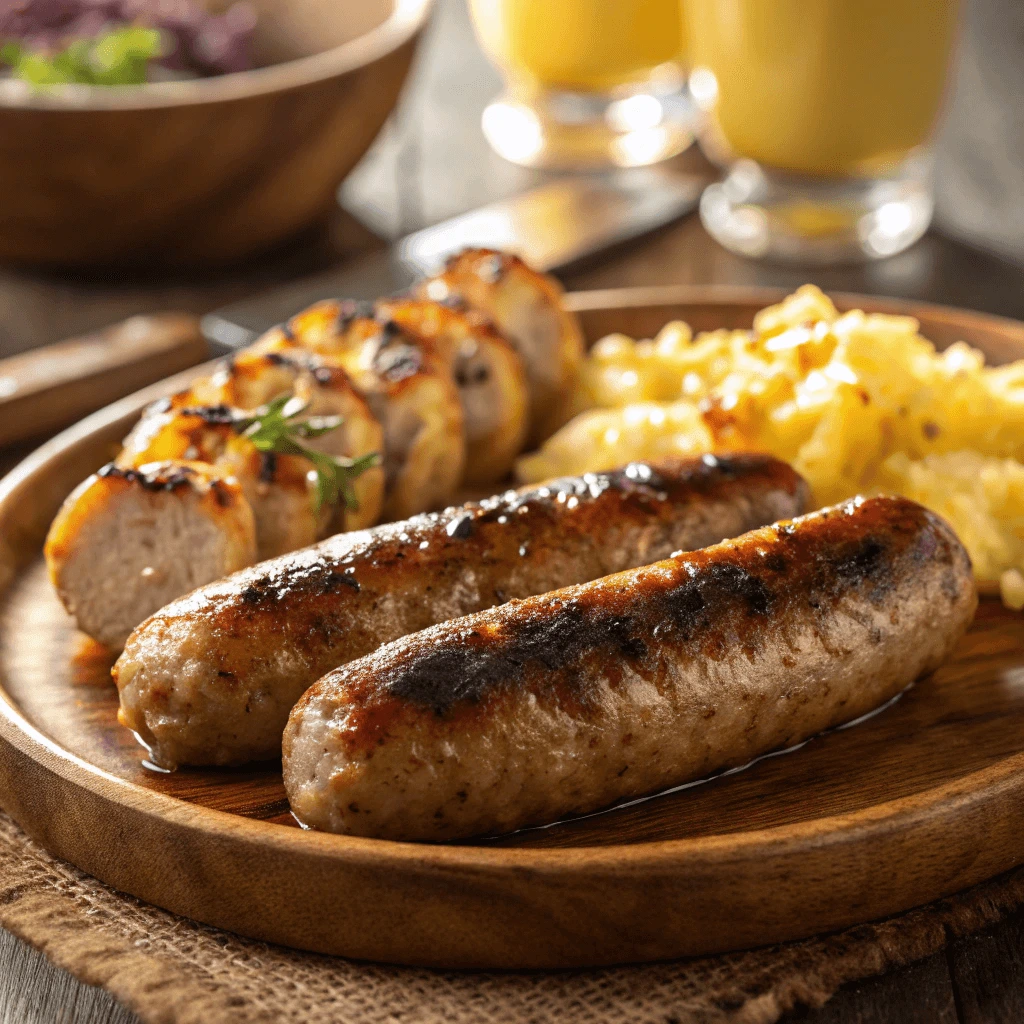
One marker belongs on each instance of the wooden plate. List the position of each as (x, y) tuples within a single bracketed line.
[(924, 799)]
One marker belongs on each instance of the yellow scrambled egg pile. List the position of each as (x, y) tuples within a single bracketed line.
[(858, 403)]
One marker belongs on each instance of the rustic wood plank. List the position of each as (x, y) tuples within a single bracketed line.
[(988, 973), (34, 991), (51, 387), (918, 994)]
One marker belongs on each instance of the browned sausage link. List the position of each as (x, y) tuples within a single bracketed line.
[(565, 703), (210, 679)]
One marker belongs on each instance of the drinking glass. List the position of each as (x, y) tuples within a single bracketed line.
[(588, 83), (822, 110)]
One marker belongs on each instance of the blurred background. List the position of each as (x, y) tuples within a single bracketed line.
[(432, 161)]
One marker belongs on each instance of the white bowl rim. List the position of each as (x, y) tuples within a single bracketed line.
[(404, 21)]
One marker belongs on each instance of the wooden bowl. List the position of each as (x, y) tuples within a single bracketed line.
[(923, 800), (209, 171)]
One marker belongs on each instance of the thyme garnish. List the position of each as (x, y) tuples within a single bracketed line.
[(275, 429)]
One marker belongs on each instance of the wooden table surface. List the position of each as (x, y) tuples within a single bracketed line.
[(431, 163)]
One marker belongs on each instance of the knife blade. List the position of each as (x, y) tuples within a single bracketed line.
[(551, 227)]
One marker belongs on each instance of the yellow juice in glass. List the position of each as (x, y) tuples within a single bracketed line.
[(586, 45), (834, 92), (566, 62), (824, 86)]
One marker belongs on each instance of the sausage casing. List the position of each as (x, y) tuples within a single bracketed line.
[(568, 702), (210, 678)]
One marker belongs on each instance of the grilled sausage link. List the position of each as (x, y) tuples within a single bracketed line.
[(565, 703), (210, 679)]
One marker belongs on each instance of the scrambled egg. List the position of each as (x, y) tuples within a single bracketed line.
[(858, 403)]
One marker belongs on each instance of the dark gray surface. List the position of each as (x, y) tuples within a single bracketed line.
[(980, 173), (33, 991)]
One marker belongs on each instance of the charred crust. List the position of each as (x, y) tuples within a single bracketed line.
[(643, 484), (350, 310), (268, 467), (461, 527), (213, 415), (221, 493), (718, 586), (952, 585), (279, 358), (397, 362), (391, 331), (446, 676), (469, 376), (315, 580), (863, 561), (166, 478)]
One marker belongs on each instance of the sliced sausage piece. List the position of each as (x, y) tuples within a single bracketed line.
[(409, 389), (527, 308), (489, 374), (210, 679), (127, 541), (276, 487), (174, 429), (329, 391), (563, 704)]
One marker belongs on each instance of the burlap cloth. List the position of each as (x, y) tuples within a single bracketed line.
[(173, 971)]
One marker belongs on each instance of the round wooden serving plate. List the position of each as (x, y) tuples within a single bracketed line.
[(922, 800)]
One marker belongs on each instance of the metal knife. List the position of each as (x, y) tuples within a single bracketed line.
[(551, 227)]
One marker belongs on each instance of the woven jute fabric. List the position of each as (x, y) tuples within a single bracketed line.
[(173, 971)]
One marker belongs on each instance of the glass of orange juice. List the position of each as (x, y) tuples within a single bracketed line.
[(823, 111), (588, 83)]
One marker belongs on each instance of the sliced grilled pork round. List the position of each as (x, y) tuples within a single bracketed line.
[(127, 541)]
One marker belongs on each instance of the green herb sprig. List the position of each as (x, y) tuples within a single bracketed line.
[(275, 430)]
